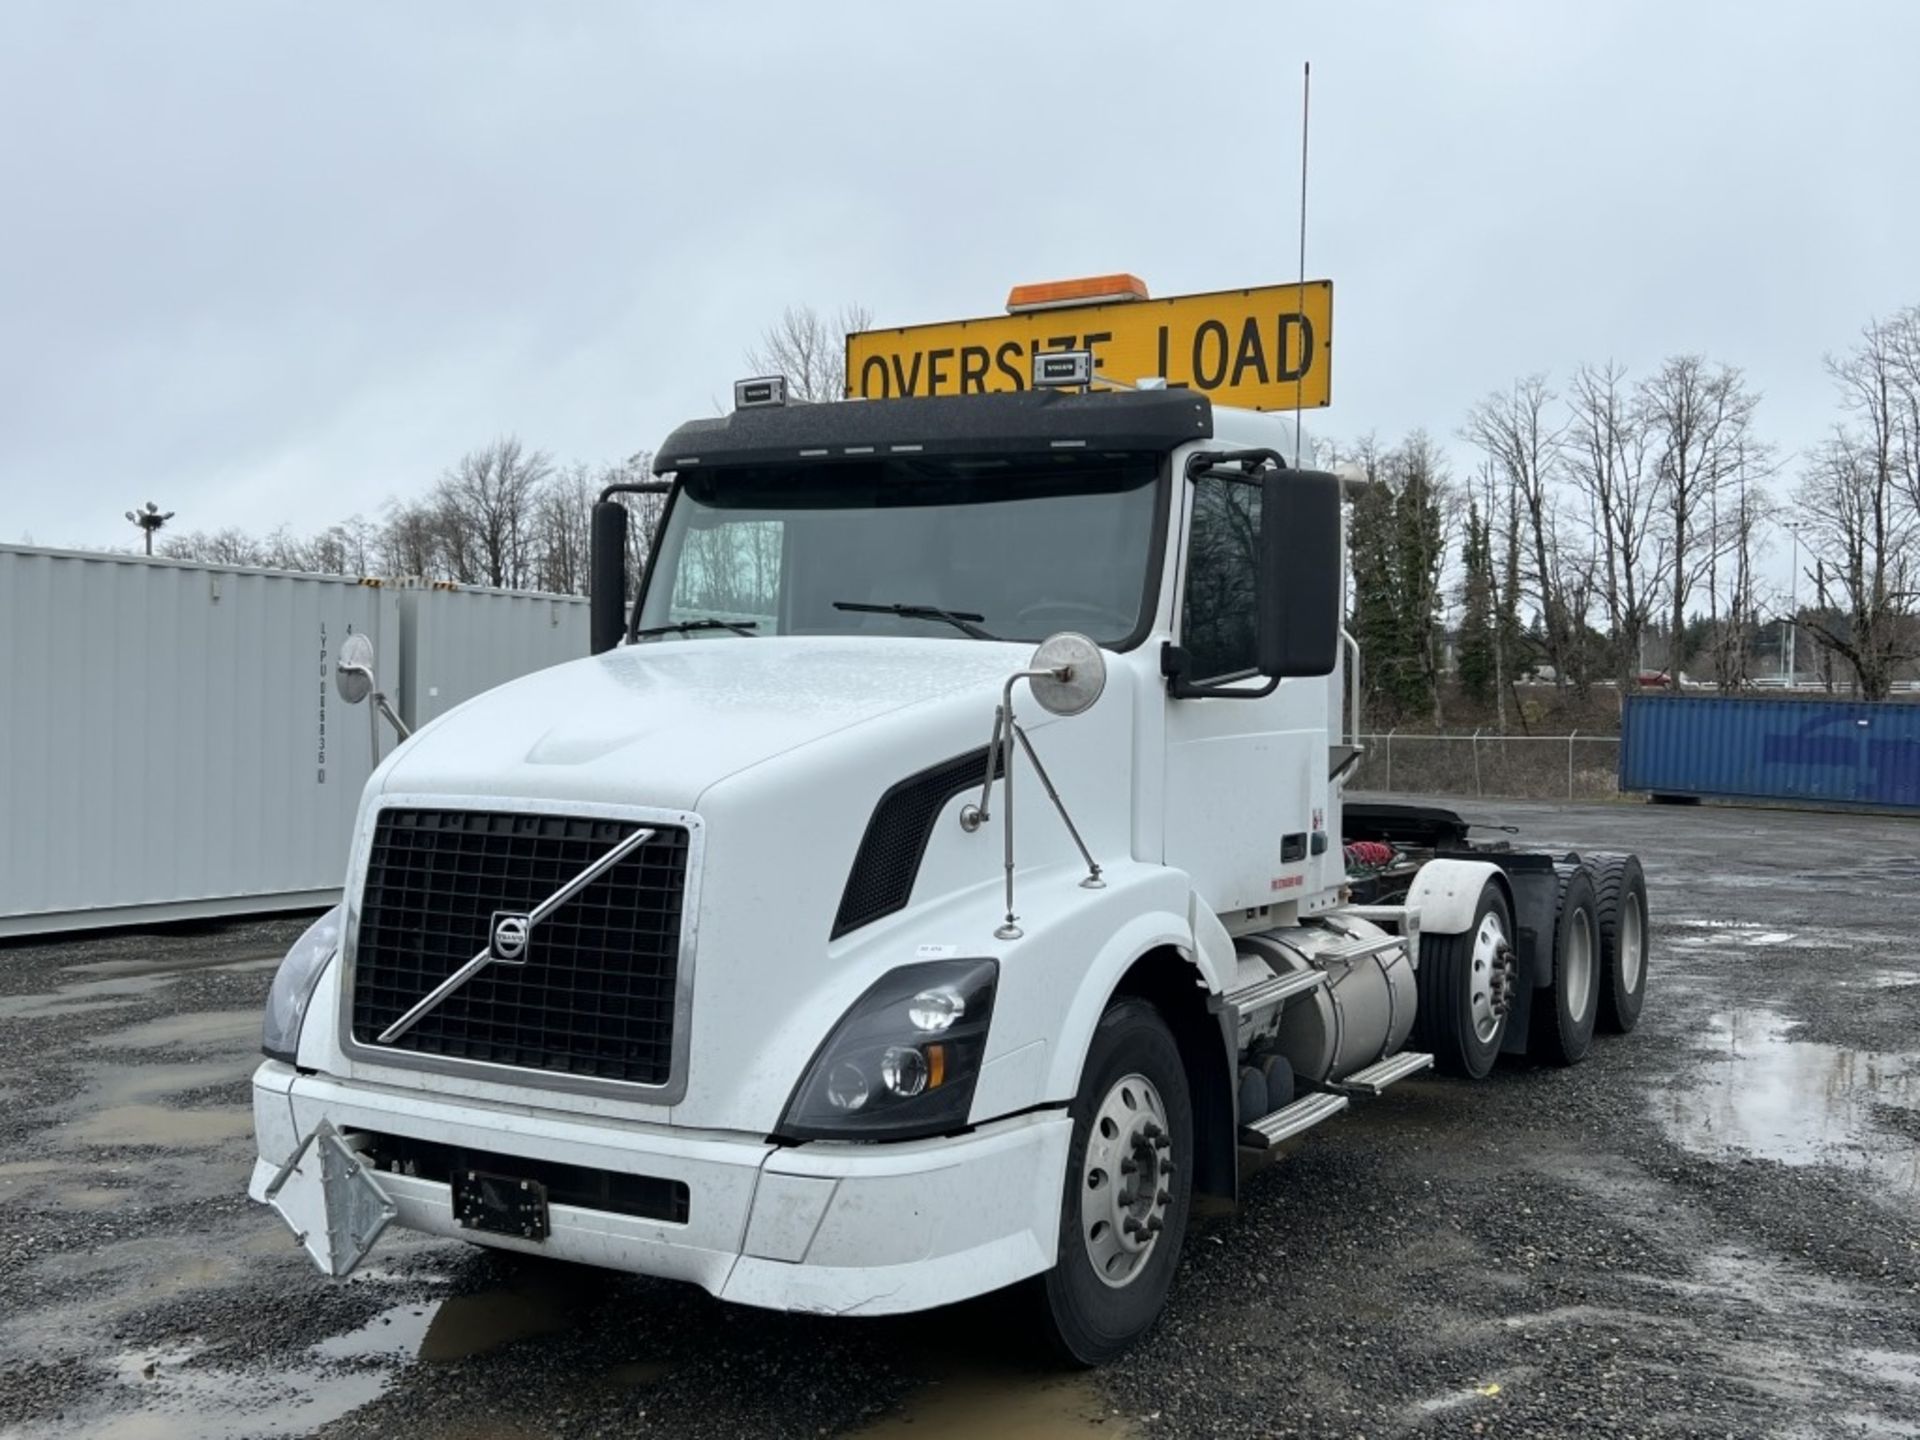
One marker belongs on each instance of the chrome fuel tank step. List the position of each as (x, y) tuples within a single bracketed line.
[(1375, 1078), (1290, 1120)]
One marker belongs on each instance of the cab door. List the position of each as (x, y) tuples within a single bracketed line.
[(1246, 785)]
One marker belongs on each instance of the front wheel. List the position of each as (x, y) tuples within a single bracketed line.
[(1129, 1180)]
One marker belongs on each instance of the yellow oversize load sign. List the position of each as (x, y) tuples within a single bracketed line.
[(1265, 349)]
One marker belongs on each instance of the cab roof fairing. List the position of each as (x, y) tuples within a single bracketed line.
[(1021, 422)]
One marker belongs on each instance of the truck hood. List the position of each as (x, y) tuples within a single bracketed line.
[(658, 723)]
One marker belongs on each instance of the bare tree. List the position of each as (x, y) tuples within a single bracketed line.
[(485, 504), (1513, 430), (1859, 504), (1863, 537), (809, 349), (1605, 452), (1699, 431)]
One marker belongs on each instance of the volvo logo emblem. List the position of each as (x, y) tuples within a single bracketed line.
[(511, 930)]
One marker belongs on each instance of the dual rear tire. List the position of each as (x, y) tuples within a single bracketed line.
[(1469, 982)]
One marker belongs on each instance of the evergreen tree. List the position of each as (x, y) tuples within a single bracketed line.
[(1376, 611), (1479, 673), (1398, 551)]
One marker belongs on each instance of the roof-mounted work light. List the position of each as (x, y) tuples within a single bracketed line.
[(1055, 368), (764, 390)]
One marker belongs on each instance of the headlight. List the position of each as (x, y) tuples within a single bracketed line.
[(903, 1061), (293, 986)]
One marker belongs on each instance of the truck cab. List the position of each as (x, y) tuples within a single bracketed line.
[(935, 878)]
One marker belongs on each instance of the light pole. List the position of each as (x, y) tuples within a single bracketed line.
[(149, 520), (1793, 613)]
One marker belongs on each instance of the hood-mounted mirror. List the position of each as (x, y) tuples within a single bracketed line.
[(1075, 673), (353, 676)]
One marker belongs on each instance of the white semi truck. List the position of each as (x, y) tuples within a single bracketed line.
[(938, 875)]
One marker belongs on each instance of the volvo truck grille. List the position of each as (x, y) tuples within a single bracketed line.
[(592, 992)]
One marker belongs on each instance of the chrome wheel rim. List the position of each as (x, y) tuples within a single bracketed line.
[(1127, 1181), (1632, 943), (1488, 981), (1579, 962)]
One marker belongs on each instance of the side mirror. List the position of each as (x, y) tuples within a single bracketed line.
[(1297, 600), (1075, 673), (353, 676), (607, 582)]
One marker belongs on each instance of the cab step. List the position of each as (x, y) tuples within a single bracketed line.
[(1275, 988), (1375, 1078), (1288, 1121), (1361, 949)]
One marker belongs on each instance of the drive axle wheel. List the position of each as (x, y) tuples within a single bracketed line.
[(1620, 890), (1467, 985), (1123, 1212), (1564, 1011)]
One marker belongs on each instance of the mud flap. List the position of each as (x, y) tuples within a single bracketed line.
[(331, 1201)]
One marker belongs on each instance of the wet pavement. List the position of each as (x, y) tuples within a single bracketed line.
[(1710, 1228)]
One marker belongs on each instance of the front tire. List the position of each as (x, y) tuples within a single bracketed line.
[(1129, 1181)]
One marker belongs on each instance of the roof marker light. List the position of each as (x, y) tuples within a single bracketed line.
[(1092, 290), (764, 390), (1055, 368)]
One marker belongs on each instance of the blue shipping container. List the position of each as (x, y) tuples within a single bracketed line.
[(1835, 752)]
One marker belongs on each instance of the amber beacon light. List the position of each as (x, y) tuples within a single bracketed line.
[(1090, 290)]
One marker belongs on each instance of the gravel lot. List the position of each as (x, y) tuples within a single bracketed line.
[(1710, 1228)]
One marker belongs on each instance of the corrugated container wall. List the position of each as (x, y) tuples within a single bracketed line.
[(455, 643), (170, 739), (1827, 751), (171, 742)]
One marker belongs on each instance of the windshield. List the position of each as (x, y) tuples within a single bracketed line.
[(1008, 548)]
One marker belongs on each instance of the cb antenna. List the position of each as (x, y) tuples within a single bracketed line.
[(1300, 301)]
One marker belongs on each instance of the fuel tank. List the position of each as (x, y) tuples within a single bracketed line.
[(1362, 1013)]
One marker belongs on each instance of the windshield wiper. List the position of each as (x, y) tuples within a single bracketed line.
[(962, 620), (739, 627)]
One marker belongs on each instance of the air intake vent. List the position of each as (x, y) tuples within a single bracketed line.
[(889, 856)]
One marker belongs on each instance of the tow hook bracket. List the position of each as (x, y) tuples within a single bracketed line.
[(331, 1201)]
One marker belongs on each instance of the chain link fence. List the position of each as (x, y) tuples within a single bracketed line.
[(1519, 767)]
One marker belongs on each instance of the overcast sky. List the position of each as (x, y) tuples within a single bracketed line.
[(273, 263)]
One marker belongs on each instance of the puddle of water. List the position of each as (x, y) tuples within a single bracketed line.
[(1006, 1404), (157, 1125), (79, 999), (173, 965), (1893, 1367), (131, 1084), (182, 1402), (92, 1197), (1762, 1093), (1728, 932), (461, 1326), (210, 1027)]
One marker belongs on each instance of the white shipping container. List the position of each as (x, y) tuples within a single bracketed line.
[(171, 742), (457, 642)]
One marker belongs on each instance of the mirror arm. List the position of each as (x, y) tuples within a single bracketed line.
[(645, 487), (393, 719), (1205, 460), (1175, 665)]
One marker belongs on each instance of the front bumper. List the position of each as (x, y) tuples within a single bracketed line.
[(845, 1228)]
